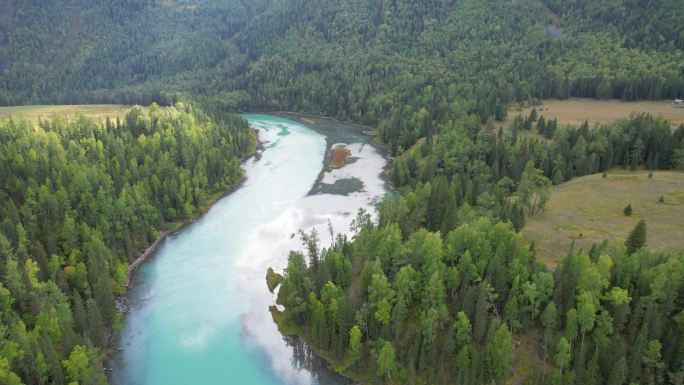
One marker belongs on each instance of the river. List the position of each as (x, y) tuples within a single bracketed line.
[(200, 305)]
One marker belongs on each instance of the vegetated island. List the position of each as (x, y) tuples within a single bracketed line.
[(339, 156)]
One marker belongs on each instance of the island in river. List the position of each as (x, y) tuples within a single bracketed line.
[(199, 310)]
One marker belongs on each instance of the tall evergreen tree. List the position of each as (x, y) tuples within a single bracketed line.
[(637, 238)]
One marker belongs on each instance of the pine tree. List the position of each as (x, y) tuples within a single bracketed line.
[(653, 361), (528, 123), (96, 327), (618, 373), (549, 319), (637, 238), (541, 125), (499, 354), (628, 210), (533, 115), (80, 317)]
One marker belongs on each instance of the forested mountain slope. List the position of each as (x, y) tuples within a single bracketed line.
[(351, 59), (72, 51), (646, 24)]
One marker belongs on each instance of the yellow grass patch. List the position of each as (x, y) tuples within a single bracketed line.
[(93, 111), (575, 111), (589, 210)]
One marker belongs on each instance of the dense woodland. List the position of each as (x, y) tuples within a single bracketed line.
[(444, 309), (438, 290), (442, 285), (394, 64), (80, 200), (88, 51)]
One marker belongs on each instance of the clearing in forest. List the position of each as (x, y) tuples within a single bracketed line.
[(575, 111), (590, 209), (93, 111)]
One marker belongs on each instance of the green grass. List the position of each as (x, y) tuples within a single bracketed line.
[(93, 111), (590, 209)]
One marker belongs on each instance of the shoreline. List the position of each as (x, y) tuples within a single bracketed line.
[(300, 115), (122, 302), (150, 251), (322, 125), (296, 332)]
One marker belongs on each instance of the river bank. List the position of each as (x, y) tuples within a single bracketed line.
[(122, 303), (338, 365), (339, 136), (175, 227)]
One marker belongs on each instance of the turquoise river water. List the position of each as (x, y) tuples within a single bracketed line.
[(199, 312)]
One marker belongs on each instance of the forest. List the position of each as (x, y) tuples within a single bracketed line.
[(442, 287), (379, 62), (80, 201)]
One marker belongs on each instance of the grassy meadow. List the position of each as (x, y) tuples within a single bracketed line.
[(37, 112), (575, 111), (590, 209)]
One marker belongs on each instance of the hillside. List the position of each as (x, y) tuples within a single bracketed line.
[(338, 58), (84, 51)]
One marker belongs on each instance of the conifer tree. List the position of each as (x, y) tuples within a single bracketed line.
[(637, 238)]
